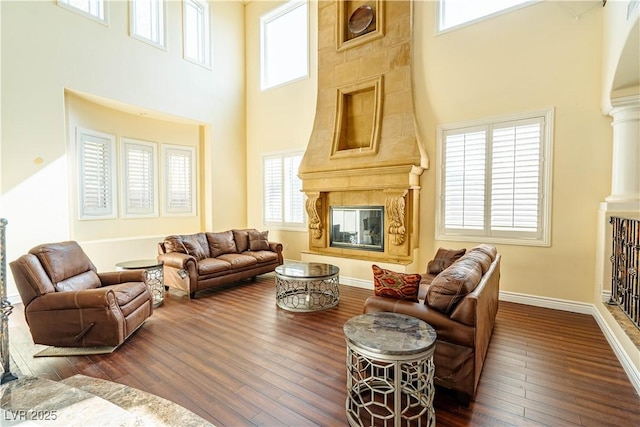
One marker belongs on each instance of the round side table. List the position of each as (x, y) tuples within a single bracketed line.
[(389, 370), (154, 276)]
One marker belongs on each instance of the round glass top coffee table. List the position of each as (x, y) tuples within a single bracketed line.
[(389, 370), (307, 286)]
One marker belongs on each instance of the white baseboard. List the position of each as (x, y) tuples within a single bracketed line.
[(627, 364), (556, 304), (358, 283), (579, 307)]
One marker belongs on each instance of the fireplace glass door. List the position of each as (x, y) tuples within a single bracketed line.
[(357, 227)]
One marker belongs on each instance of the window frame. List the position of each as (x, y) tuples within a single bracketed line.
[(161, 22), (543, 233), (128, 211), (204, 34), (166, 197), (104, 6), (440, 15), (268, 18), (111, 210), (283, 224)]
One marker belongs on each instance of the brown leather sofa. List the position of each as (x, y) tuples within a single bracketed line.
[(68, 304), (203, 260), (460, 303)]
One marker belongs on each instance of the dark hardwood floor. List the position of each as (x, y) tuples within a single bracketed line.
[(232, 357)]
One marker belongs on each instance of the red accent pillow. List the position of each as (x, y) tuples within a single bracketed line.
[(391, 284)]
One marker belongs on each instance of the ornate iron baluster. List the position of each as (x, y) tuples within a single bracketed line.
[(625, 263), (5, 309)]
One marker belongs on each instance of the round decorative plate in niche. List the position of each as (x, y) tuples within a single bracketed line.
[(360, 20)]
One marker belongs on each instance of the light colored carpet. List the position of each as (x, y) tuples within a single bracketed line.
[(74, 351)]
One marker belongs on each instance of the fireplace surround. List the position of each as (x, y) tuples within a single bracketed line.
[(364, 149)]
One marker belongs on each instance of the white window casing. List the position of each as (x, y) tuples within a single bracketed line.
[(147, 22), (284, 44), (139, 178), (494, 180), (97, 189), (179, 180)]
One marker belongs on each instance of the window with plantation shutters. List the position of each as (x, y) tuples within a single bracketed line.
[(97, 174), (283, 198), (139, 178), (179, 169), (495, 180)]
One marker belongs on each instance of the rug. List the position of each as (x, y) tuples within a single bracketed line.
[(74, 351)]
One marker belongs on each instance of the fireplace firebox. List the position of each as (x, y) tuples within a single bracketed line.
[(357, 227)]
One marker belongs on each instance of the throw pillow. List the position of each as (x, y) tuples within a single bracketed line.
[(443, 259), (194, 246), (450, 286), (391, 284), (258, 240), (242, 240), (174, 244), (221, 243)]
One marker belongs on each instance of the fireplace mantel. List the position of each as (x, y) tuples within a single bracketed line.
[(372, 178)]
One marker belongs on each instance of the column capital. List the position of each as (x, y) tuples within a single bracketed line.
[(624, 103)]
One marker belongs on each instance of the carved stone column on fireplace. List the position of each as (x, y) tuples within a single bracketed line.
[(365, 149), (397, 229), (314, 207)]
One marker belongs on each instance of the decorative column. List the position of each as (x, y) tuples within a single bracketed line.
[(5, 310), (625, 171)]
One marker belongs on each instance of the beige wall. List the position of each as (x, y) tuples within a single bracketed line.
[(88, 115), (533, 58), (536, 57), (47, 49), (278, 119)]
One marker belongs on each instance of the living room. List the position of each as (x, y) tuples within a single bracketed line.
[(61, 71)]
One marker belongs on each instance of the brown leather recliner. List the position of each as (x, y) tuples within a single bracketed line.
[(68, 304)]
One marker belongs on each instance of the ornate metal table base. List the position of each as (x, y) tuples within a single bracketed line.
[(390, 387), (154, 277), (307, 286)]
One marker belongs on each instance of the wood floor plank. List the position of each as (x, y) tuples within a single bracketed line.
[(236, 359)]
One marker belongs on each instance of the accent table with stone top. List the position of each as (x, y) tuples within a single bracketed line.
[(154, 276), (307, 286), (389, 370)]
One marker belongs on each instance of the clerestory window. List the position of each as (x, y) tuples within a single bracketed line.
[(196, 31), (93, 9), (455, 13), (147, 22), (284, 44)]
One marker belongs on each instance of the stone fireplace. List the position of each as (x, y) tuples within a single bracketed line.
[(364, 149)]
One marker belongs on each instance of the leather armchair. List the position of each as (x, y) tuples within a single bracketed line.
[(68, 304)]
